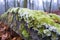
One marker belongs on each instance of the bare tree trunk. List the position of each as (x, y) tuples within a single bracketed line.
[(25, 4), (32, 5), (50, 6), (43, 6), (18, 3), (5, 6), (58, 4), (14, 3), (29, 5)]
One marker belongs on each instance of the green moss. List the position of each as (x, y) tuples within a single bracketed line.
[(34, 19)]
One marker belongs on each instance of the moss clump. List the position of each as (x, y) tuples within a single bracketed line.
[(31, 23)]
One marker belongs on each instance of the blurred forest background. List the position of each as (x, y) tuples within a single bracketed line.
[(44, 5)]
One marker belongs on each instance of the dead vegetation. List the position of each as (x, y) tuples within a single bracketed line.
[(7, 33)]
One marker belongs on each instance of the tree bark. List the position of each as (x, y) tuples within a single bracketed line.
[(5, 5), (43, 6), (50, 6), (14, 3), (18, 3), (25, 4), (58, 4)]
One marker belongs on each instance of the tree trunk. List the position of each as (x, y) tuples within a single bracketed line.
[(18, 3), (25, 4), (43, 6), (58, 4), (5, 5), (50, 6), (29, 5), (14, 3)]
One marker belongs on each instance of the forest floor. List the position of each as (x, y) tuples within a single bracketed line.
[(7, 33), (56, 12)]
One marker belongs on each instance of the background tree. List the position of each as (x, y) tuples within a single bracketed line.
[(58, 4), (43, 6), (5, 5), (18, 3), (14, 3), (25, 4), (29, 4), (50, 6), (32, 5)]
